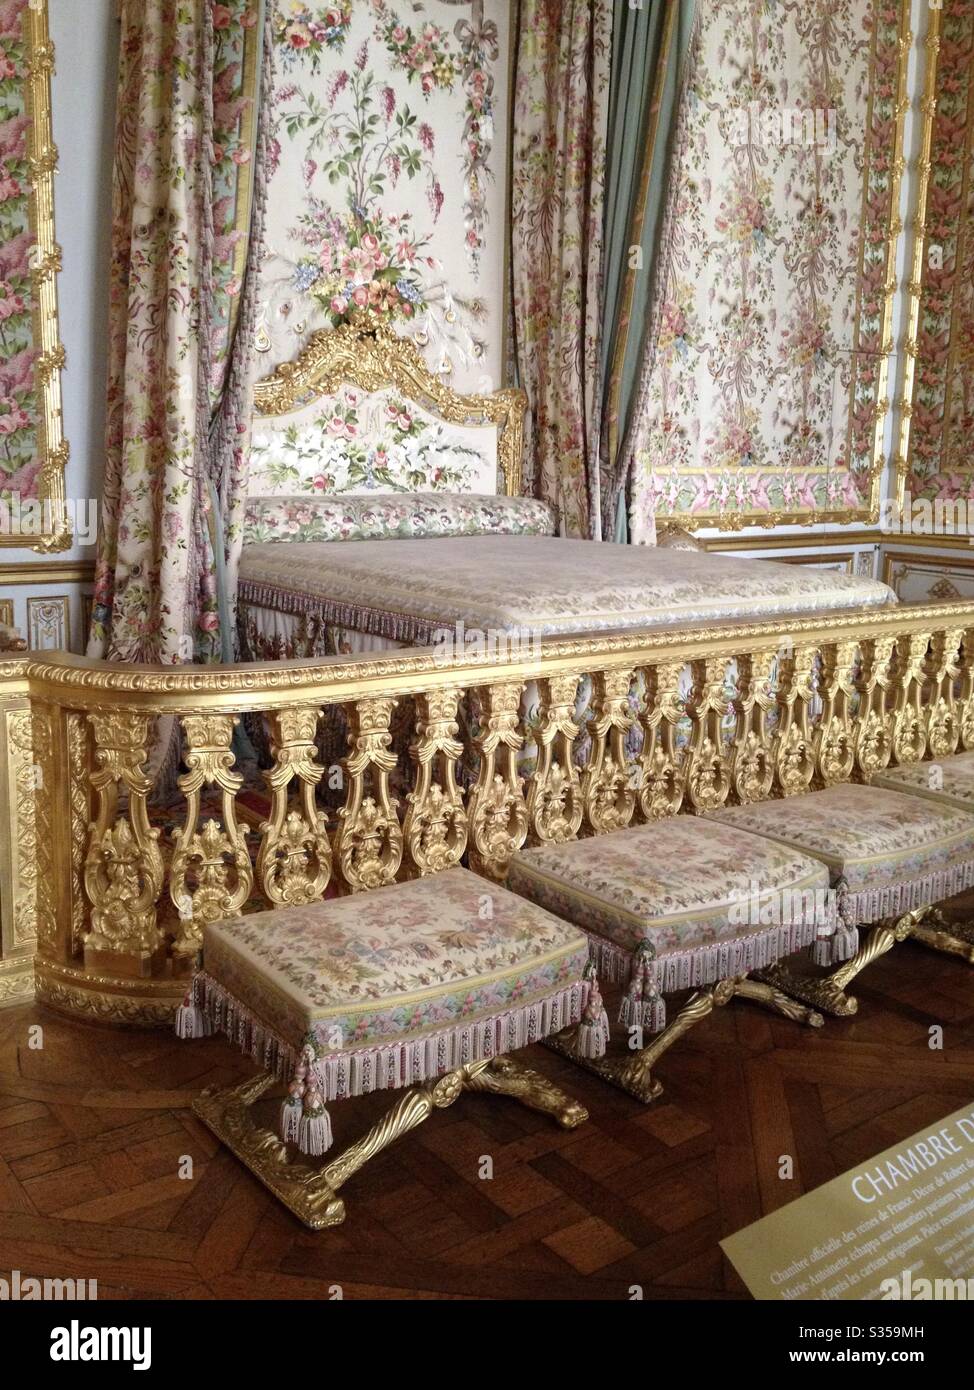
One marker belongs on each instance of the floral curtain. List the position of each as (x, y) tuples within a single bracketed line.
[(187, 230), (560, 117)]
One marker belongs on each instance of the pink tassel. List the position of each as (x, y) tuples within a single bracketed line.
[(642, 1006), (191, 1021), (593, 1031), (304, 1119)]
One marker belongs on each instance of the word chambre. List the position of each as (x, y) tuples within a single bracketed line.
[(920, 1157)]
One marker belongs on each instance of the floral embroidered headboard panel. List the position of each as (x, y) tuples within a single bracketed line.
[(359, 411)]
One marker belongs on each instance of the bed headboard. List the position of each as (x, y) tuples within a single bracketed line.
[(359, 411)]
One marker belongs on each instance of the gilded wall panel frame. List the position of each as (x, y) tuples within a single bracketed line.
[(33, 511)]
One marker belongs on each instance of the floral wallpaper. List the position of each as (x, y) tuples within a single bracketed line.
[(943, 406), (760, 402), (19, 461), (387, 177)]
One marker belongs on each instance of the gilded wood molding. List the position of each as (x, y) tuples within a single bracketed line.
[(45, 263)]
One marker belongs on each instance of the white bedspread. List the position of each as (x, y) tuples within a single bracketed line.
[(408, 589)]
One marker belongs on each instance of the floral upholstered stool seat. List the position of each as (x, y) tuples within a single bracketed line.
[(891, 858), (674, 905), (949, 780), (426, 984)]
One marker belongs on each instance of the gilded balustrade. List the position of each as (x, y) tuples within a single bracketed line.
[(103, 898)]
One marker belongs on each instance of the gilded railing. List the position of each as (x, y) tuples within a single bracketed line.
[(109, 894)]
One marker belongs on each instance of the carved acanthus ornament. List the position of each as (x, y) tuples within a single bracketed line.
[(210, 877), (941, 671), (294, 862), (435, 826), (554, 797), (708, 766), (123, 868), (908, 679), (874, 744), (369, 841), (966, 691), (661, 764), (497, 810), (834, 739), (608, 783), (794, 752), (752, 772)]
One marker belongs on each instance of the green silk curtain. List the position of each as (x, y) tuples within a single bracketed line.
[(650, 42)]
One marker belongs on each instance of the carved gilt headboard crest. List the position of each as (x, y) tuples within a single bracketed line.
[(368, 357)]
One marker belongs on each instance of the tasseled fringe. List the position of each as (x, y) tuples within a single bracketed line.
[(315, 1078), (191, 1020), (399, 627), (593, 1031), (833, 950), (874, 904), (649, 977)]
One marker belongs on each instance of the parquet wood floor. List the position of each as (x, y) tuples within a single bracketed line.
[(94, 1124)]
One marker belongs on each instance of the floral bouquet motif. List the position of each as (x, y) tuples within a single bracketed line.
[(301, 29)]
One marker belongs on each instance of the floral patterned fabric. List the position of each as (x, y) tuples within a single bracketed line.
[(384, 518), (878, 844), (561, 103), (356, 442), (186, 241), (759, 402), (408, 590), (950, 780), (386, 177), (677, 888), (394, 963), (943, 407)]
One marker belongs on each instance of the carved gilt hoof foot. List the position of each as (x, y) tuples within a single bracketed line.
[(821, 995)]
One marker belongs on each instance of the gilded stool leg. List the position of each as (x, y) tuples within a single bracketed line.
[(759, 992), (951, 938), (505, 1076), (312, 1193), (828, 992)]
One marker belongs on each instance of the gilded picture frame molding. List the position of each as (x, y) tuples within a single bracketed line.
[(42, 159)]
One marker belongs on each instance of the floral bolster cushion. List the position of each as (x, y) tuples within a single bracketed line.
[(394, 516)]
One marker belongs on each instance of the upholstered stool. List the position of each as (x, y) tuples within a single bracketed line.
[(426, 983), (949, 780), (891, 857), (674, 905)]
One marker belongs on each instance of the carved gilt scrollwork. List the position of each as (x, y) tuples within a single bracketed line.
[(907, 682), (708, 768), (497, 809), (661, 762), (294, 862), (554, 796), (965, 694), (874, 743), (123, 868), (834, 737), (940, 705), (210, 877), (435, 825), (794, 753), (369, 840), (752, 770), (608, 782)]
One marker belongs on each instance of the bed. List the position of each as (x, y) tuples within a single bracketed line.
[(384, 510)]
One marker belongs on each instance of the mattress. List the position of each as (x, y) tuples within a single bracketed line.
[(408, 590)]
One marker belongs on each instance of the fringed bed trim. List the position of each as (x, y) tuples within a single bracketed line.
[(379, 622), (649, 977), (873, 904), (315, 1078)]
